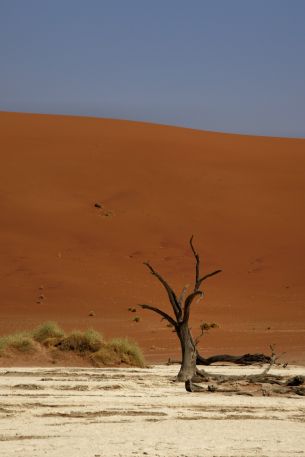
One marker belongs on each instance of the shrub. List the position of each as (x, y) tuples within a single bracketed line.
[(117, 351), (89, 341), (93, 336), (128, 349), (22, 342), (105, 356), (47, 330), (3, 344)]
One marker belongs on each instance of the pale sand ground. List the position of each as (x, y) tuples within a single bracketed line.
[(135, 412)]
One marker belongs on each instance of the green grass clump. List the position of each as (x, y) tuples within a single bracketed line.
[(129, 350), (87, 344), (3, 344), (21, 341), (47, 330), (105, 356), (117, 351), (88, 341), (93, 336)]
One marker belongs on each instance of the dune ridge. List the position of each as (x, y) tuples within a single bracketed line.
[(242, 197)]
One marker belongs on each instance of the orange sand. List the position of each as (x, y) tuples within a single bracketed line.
[(242, 197)]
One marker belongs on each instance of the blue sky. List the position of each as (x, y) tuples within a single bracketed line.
[(225, 65)]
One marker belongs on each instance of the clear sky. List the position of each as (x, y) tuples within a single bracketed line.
[(226, 65)]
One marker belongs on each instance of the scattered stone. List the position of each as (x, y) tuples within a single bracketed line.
[(91, 314), (98, 205), (136, 319)]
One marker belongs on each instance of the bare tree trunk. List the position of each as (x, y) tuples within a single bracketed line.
[(189, 354)]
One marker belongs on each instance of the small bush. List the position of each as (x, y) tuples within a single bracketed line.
[(3, 344), (93, 336), (89, 341), (22, 342), (205, 326), (105, 356), (120, 350), (47, 330), (129, 350)]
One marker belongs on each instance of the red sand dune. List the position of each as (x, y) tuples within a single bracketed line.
[(242, 197)]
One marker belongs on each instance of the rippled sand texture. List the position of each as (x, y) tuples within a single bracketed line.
[(136, 412)]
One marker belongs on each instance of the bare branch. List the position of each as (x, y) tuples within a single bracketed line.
[(171, 294), (188, 302), (197, 268), (273, 359), (197, 339), (161, 313), (208, 276), (199, 280)]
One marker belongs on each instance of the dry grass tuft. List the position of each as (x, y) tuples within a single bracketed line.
[(47, 330), (21, 341), (89, 341), (117, 351), (86, 344)]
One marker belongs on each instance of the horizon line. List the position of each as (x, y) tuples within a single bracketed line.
[(152, 123)]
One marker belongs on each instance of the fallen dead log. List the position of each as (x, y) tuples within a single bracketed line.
[(260, 389), (191, 387), (246, 359)]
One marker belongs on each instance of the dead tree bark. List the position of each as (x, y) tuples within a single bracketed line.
[(181, 307), (246, 359)]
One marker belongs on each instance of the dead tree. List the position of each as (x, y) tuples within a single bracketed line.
[(181, 306)]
